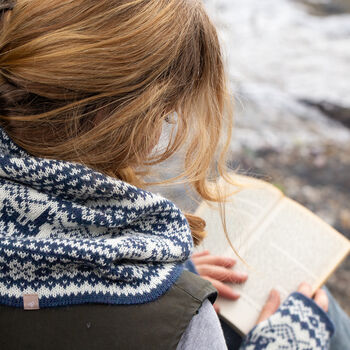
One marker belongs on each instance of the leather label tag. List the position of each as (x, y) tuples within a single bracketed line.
[(31, 302)]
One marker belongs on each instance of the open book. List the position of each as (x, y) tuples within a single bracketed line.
[(281, 242)]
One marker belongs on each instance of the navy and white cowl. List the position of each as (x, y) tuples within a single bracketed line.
[(73, 235)]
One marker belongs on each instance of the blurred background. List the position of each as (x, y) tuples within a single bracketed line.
[(289, 67)]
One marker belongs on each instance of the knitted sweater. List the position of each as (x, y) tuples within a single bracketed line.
[(71, 235), (298, 324)]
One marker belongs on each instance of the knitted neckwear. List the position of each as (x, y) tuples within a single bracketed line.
[(73, 235)]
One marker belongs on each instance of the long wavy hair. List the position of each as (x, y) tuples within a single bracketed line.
[(94, 81)]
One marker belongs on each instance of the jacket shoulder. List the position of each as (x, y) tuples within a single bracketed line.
[(158, 324)]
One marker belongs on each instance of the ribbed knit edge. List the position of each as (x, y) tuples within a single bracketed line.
[(100, 298)]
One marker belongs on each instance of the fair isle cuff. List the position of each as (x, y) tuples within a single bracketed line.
[(299, 323)]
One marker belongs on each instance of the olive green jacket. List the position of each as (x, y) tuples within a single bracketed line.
[(156, 325)]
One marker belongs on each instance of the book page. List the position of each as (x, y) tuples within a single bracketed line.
[(291, 245), (244, 211), (322, 246)]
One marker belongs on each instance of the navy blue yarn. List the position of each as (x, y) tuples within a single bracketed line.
[(73, 235)]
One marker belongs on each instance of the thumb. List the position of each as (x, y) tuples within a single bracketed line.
[(271, 306)]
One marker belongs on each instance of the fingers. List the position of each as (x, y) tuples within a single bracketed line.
[(204, 252), (321, 299), (305, 288), (217, 269), (214, 260), (223, 289), (270, 306), (221, 273)]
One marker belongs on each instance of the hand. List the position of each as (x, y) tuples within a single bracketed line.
[(320, 297), (273, 302), (218, 269)]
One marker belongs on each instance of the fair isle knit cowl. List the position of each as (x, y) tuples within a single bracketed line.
[(72, 235)]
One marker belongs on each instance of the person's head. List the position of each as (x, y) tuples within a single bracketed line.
[(94, 81)]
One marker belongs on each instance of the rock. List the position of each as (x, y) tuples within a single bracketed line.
[(335, 7), (331, 110)]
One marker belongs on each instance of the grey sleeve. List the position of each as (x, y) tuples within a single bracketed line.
[(204, 331)]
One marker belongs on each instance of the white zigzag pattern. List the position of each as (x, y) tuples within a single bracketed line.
[(68, 231), (297, 325)]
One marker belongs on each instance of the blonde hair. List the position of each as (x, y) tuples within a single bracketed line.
[(65, 63)]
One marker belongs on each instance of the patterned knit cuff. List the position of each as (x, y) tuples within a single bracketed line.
[(299, 323)]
